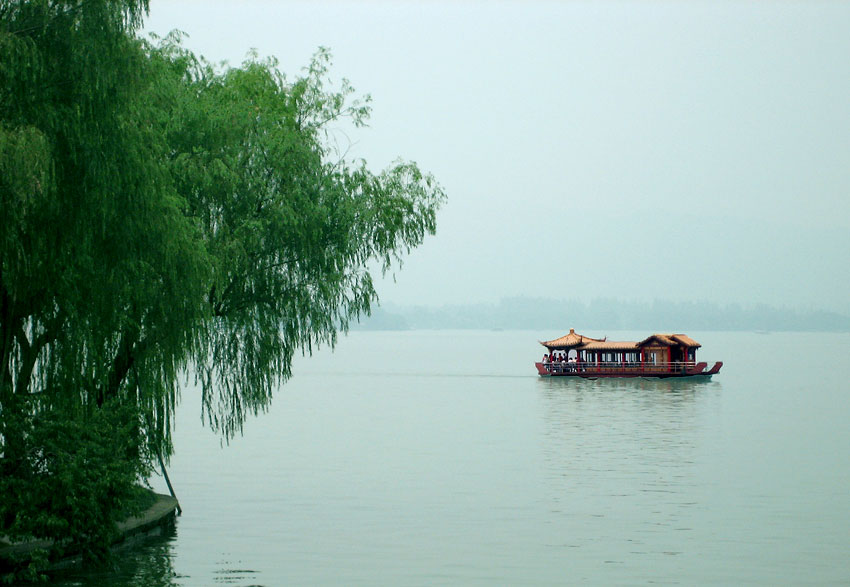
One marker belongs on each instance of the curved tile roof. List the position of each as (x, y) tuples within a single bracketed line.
[(672, 340), (570, 340), (611, 345), (685, 340)]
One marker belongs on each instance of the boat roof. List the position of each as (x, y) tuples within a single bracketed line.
[(569, 340), (611, 345), (572, 340), (671, 340)]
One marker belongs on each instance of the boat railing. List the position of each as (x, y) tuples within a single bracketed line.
[(617, 366)]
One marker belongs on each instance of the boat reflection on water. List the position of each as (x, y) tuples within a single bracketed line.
[(624, 456), (682, 386)]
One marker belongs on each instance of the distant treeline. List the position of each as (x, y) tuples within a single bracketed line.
[(522, 313)]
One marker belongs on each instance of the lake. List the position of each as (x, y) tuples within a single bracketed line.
[(441, 458)]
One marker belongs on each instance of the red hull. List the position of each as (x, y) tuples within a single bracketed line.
[(592, 371)]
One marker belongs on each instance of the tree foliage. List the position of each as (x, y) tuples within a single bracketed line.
[(161, 216)]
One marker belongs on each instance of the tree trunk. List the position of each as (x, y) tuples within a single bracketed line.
[(121, 365)]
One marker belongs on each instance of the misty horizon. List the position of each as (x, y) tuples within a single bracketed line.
[(599, 315)]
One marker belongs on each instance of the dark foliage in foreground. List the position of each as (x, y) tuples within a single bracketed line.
[(160, 217)]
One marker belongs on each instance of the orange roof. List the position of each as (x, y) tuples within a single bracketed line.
[(611, 345), (671, 340), (685, 340), (570, 340), (573, 340), (661, 338)]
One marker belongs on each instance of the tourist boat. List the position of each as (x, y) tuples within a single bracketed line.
[(659, 355)]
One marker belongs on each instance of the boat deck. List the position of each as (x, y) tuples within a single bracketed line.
[(625, 369)]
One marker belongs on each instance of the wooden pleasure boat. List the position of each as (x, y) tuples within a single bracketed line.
[(659, 355)]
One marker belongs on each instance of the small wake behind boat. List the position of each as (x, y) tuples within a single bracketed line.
[(659, 355)]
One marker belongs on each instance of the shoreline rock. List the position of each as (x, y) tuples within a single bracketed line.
[(159, 516)]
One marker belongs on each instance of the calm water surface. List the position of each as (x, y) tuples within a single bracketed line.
[(427, 458)]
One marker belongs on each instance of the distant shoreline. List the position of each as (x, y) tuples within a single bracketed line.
[(548, 314)]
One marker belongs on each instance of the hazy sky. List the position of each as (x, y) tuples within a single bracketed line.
[(634, 150)]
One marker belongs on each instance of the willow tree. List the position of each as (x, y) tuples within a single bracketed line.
[(158, 217), (289, 225)]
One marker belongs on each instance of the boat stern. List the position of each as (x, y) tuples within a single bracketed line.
[(715, 369)]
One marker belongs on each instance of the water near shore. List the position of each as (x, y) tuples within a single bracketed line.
[(422, 458)]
